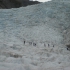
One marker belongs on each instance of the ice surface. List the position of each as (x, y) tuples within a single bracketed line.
[(35, 37)]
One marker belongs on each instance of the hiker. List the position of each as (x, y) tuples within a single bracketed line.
[(44, 45), (68, 47), (24, 41), (30, 43), (53, 45), (34, 44), (48, 45)]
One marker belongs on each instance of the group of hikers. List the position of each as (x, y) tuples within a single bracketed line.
[(35, 44), (30, 43)]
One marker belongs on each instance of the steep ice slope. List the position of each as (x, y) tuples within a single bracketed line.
[(33, 21), (43, 27)]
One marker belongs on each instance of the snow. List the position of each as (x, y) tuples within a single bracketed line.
[(41, 0), (44, 29)]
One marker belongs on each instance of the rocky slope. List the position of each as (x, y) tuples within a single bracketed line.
[(35, 37), (6, 4)]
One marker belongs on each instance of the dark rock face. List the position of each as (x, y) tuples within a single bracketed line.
[(16, 3)]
